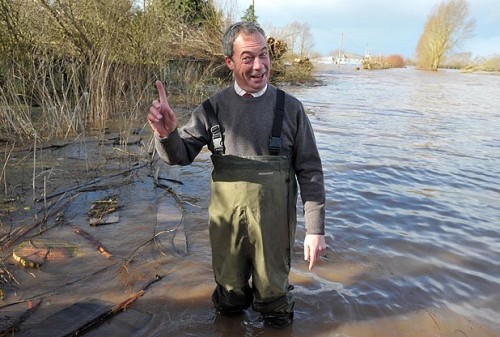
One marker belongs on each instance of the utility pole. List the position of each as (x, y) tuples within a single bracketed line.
[(340, 49), (253, 9)]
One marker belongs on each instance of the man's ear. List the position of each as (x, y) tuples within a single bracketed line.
[(229, 62)]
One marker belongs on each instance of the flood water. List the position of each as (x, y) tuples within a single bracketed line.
[(412, 172)]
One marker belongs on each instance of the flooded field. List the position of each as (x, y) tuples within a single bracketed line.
[(412, 170)]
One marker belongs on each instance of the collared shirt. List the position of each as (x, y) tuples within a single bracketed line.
[(241, 92)]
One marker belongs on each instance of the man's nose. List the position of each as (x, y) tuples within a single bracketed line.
[(257, 63)]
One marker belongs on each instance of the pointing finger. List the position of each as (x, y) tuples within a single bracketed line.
[(161, 92)]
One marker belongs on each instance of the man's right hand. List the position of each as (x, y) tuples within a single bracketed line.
[(161, 117)]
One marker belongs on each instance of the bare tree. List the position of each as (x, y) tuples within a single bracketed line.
[(447, 26), (298, 38), (306, 41)]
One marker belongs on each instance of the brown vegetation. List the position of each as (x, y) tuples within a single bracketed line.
[(68, 65), (445, 29), (491, 64), (384, 62), (395, 61)]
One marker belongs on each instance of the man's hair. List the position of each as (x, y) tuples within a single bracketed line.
[(247, 28)]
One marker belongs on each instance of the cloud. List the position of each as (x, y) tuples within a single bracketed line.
[(387, 27)]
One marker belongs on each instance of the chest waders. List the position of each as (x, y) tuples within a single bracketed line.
[(252, 221)]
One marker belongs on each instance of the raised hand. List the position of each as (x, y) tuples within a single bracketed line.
[(161, 117)]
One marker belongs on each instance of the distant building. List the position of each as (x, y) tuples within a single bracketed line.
[(348, 59), (322, 60)]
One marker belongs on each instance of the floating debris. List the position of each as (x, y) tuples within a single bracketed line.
[(101, 211), (94, 242), (105, 220), (34, 253)]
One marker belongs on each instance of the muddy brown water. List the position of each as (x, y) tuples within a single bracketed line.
[(412, 167)]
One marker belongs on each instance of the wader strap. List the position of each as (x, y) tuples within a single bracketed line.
[(275, 140), (217, 139)]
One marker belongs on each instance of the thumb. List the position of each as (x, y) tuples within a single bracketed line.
[(161, 92)]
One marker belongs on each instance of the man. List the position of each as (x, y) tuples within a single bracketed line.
[(257, 160)]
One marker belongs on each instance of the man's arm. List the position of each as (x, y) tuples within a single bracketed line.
[(310, 178)]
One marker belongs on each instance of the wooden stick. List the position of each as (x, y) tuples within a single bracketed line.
[(94, 242), (158, 178)]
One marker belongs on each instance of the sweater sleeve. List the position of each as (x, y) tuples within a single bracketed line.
[(309, 172)]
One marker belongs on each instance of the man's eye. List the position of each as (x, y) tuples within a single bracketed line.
[(264, 54), (247, 59)]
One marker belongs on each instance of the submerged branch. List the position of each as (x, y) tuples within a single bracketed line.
[(11, 329), (93, 182), (155, 236), (94, 242), (112, 311), (41, 295), (10, 239)]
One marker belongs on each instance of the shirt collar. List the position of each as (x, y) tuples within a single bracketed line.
[(241, 92)]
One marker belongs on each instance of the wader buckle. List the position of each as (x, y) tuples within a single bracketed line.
[(274, 145), (217, 139)]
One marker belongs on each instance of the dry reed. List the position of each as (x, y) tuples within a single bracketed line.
[(66, 66)]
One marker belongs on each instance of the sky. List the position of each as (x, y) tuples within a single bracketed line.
[(379, 26)]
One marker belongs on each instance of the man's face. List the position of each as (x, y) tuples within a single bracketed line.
[(250, 63)]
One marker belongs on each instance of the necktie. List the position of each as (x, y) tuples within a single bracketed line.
[(248, 95)]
